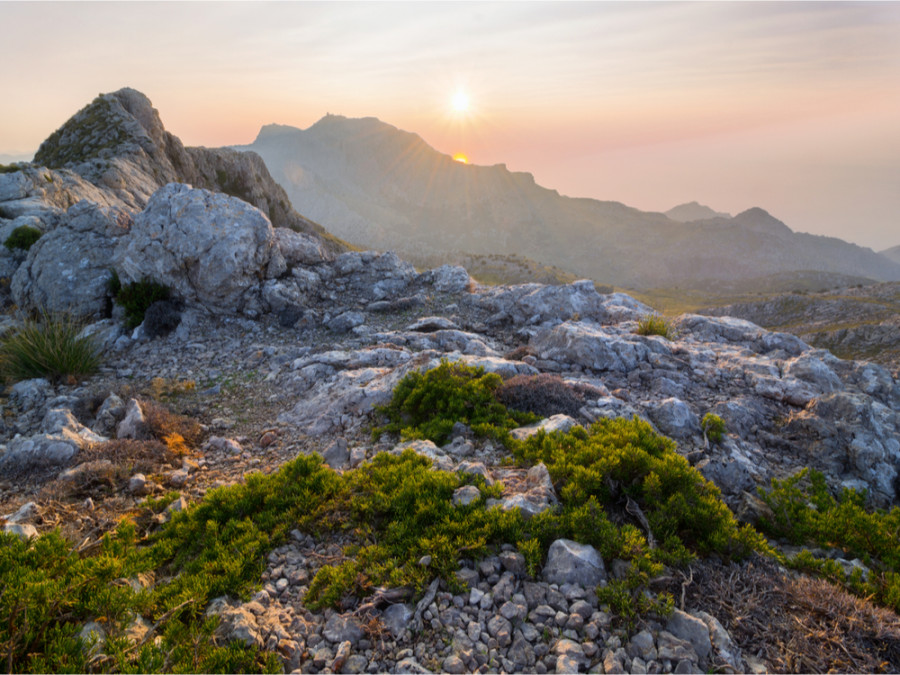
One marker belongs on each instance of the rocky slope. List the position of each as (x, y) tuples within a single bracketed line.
[(862, 321), (280, 347), (384, 188)]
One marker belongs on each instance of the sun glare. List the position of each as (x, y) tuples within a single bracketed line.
[(460, 102), (461, 158)]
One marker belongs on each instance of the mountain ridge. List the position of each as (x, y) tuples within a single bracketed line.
[(382, 187)]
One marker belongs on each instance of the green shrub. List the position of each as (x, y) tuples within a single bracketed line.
[(714, 427), (137, 297), (616, 460), (654, 324), (50, 347), (22, 237), (428, 405), (804, 512), (9, 168)]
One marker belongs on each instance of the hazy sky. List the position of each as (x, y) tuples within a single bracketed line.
[(794, 107)]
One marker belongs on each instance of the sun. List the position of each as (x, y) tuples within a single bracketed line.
[(461, 158), (460, 102)]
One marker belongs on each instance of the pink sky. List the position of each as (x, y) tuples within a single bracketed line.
[(792, 107)]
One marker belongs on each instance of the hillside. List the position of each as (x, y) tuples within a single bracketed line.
[(858, 322), (892, 253), (229, 446), (380, 187)]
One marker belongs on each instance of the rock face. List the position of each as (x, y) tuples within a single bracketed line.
[(211, 249)]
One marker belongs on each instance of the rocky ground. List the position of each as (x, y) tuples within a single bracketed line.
[(276, 343), (860, 321)]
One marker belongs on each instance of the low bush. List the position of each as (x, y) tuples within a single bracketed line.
[(49, 346), (22, 238), (804, 512), (137, 297), (545, 395), (654, 324), (713, 427), (428, 405), (9, 168)]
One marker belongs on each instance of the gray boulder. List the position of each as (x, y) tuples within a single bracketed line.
[(537, 303), (574, 563), (69, 268), (674, 418), (211, 249), (593, 347)]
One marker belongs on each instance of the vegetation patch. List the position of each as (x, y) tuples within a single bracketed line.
[(136, 297), (806, 513), (654, 324), (713, 427), (9, 168), (22, 237), (428, 405), (49, 346)]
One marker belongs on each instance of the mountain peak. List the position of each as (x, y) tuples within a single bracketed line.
[(760, 220), (693, 211)]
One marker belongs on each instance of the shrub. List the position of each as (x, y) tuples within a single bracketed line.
[(49, 346), (545, 395), (9, 168), (22, 237), (137, 297), (714, 427), (806, 513), (428, 405), (654, 324)]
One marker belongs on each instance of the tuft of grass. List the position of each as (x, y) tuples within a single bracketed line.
[(22, 237), (714, 427), (654, 324), (49, 346)]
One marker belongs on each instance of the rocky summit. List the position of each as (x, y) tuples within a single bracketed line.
[(277, 342)]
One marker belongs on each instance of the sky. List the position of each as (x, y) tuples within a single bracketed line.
[(791, 107)]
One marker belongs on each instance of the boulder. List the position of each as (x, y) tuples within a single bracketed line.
[(574, 563), (212, 250), (591, 346), (673, 417), (69, 268), (537, 303), (299, 249)]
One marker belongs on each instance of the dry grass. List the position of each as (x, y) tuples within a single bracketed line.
[(796, 624)]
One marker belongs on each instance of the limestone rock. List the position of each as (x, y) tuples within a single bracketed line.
[(574, 563), (673, 417), (210, 249)]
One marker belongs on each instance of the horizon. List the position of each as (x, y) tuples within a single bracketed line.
[(790, 107)]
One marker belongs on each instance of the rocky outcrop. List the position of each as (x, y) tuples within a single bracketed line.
[(210, 249), (116, 152)]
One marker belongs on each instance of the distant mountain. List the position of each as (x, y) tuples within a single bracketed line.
[(14, 159), (892, 254), (378, 186), (686, 213)]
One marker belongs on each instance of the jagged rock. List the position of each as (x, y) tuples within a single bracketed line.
[(238, 624), (21, 530), (574, 563), (25, 513), (536, 303), (555, 423), (210, 249), (597, 348), (299, 249), (723, 646), (161, 318), (396, 618), (346, 321), (686, 627), (68, 269), (337, 454), (673, 417), (450, 279), (465, 495), (134, 424), (30, 394), (342, 628)]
